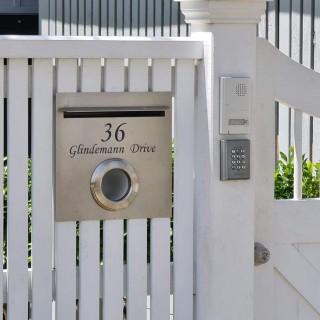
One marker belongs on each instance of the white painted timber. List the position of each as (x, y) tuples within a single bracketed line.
[(298, 271), (65, 232), (160, 268), (296, 221), (160, 227), (113, 269), (1, 175), (264, 194), (89, 231), (284, 46), (114, 77), (291, 79), (93, 47), (297, 143), (183, 190), (17, 205), (203, 183), (81, 18), (137, 228), (137, 269), (161, 75), (113, 231), (42, 182), (138, 75)]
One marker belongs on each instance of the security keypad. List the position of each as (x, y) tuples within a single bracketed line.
[(235, 159)]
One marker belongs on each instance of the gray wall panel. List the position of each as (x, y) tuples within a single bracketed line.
[(112, 17)]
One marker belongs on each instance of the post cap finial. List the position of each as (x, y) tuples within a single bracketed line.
[(223, 11)]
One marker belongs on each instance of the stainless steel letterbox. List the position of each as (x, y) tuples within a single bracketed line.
[(113, 156)]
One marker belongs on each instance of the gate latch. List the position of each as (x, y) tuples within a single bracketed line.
[(261, 254)]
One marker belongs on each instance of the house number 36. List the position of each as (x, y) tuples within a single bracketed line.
[(119, 133)]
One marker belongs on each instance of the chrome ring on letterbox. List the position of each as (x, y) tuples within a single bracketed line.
[(114, 184)]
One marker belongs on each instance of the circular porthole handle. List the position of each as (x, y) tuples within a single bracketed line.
[(114, 184)]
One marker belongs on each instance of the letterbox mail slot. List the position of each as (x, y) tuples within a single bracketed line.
[(113, 156)]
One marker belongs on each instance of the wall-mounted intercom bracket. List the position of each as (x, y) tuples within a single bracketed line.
[(234, 105), (234, 159)]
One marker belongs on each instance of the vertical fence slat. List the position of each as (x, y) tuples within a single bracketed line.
[(284, 46), (116, 83), (161, 75), (17, 214), (52, 18), (89, 239), (113, 230), (74, 18), (59, 17), (81, 17), (183, 190), (296, 30), (88, 18), (160, 228), (138, 83), (65, 232), (113, 270), (160, 268), (316, 121), (135, 18), (137, 269), (127, 17), (1, 174), (104, 17), (174, 19), (166, 18), (150, 18), (137, 228), (158, 18), (96, 18), (111, 17), (42, 181), (143, 18), (44, 17), (307, 62), (272, 25), (67, 18), (297, 186), (119, 18)]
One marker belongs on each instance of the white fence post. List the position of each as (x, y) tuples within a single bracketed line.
[(224, 210)]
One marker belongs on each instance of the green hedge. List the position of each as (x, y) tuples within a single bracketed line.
[(283, 177)]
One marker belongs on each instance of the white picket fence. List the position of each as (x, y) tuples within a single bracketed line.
[(93, 65)]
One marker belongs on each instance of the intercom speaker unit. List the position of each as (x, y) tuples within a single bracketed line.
[(113, 156), (234, 105)]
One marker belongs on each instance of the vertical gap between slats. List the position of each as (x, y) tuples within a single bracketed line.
[(1, 177)]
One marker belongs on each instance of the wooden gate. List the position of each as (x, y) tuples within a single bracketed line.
[(34, 69), (288, 286)]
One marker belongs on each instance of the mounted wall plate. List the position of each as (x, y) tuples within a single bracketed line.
[(234, 159), (113, 156), (234, 105)]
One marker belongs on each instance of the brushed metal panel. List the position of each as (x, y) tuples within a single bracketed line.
[(135, 127)]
